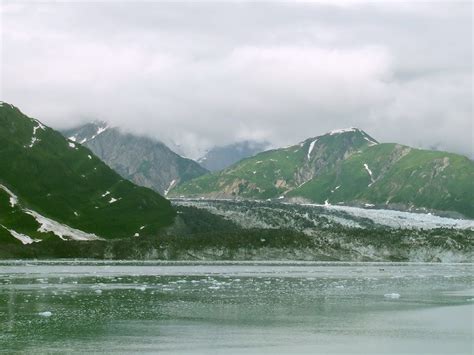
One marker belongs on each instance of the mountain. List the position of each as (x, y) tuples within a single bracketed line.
[(347, 167), (219, 158), (142, 160), (393, 174), (51, 187), (274, 172)]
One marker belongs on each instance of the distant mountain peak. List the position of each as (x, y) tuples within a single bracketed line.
[(143, 160), (343, 130), (221, 157), (352, 130), (88, 132)]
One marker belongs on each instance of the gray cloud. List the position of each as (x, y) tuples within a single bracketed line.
[(201, 74)]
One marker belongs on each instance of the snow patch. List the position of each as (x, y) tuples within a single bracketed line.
[(311, 147), (21, 237), (172, 183), (61, 230), (371, 142), (45, 314), (72, 145), (89, 156), (343, 130), (370, 174), (106, 193), (100, 130), (13, 197), (34, 139), (113, 200)]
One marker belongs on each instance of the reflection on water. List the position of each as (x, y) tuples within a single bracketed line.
[(243, 308)]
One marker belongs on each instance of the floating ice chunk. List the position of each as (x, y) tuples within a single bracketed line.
[(392, 295), (45, 314)]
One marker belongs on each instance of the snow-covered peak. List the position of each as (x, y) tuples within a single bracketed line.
[(343, 130)]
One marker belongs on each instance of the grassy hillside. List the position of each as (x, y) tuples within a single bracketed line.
[(348, 167), (275, 172), (400, 175), (65, 182)]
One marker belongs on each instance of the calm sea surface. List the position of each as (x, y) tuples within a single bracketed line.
[(236, 308)]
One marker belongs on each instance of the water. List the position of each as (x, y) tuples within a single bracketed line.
[(236, 308)]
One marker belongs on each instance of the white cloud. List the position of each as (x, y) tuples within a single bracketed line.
[(207, 73)]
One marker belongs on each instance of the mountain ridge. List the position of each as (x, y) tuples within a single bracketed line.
[(347, 166), (221, 157), (142, 160), (53, 187)]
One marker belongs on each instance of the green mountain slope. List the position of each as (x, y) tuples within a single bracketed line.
[(142, 160), (348, 167), (51, 186), (275, 172), (398, 175)]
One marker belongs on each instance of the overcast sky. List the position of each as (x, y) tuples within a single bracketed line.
[(208, 73)]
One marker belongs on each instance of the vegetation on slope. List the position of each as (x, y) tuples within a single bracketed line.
[(398, 175), (275, 172), (65, 182), (347, 167)]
